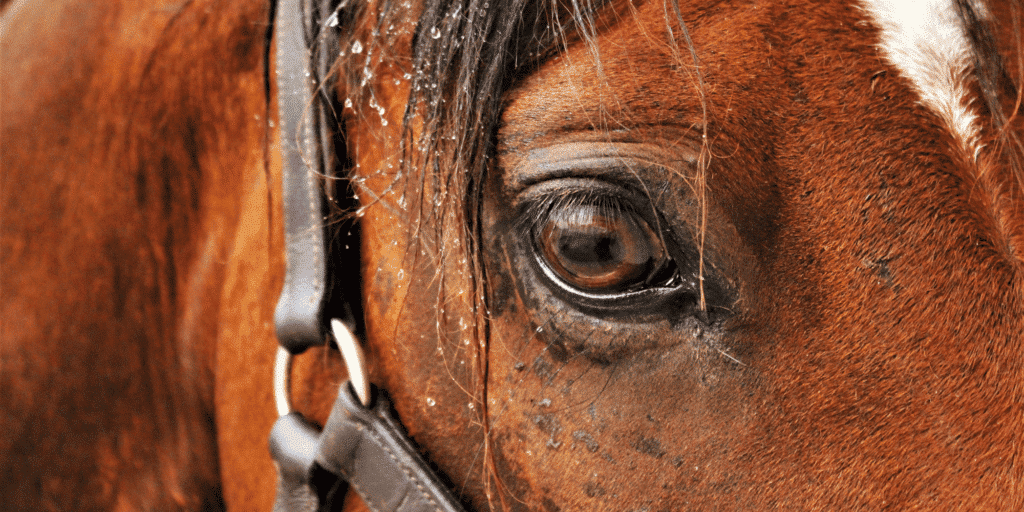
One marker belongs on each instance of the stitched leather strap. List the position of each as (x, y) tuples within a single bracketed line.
[(370, 450), (303, 150), (365, 448)]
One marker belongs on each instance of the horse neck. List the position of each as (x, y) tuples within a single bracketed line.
[(117, 246)]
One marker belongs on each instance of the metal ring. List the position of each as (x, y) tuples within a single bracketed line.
[(282, 381), (355, 362), (351, 353)]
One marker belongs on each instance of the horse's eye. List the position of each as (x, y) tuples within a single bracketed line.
[(599, 248)]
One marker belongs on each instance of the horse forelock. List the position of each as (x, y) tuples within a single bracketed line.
[(463, 57)]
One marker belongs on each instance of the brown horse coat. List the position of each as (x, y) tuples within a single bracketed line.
[(850, 337)]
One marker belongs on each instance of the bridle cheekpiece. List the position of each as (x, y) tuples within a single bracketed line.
[(362, 445)]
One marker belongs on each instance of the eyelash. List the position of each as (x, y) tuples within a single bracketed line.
[(537, 209)]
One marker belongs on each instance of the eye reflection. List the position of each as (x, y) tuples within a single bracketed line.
[(599, 247)]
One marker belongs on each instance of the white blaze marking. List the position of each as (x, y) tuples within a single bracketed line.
[(926, 41)]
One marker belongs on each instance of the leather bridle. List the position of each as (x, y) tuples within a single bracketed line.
[(361, 445)]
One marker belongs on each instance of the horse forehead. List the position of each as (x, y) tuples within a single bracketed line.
[(635, 72), (924, 40)]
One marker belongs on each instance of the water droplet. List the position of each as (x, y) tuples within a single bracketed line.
[(540, 329), (470, 405), (357, 47), (348, 102), (332, 21), (431, 402), (435, 33)]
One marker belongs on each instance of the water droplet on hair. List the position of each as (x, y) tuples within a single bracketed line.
[(357, 47), (348, 102), (435, 33), (332, 20), (431, 402), (470, 405)]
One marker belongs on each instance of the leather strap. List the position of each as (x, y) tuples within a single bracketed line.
[(362, 447), (365, 448), (304, 147)]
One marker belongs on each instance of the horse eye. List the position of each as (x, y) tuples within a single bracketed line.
[(599, 248)]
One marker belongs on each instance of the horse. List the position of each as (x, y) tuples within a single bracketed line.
[(608, 254)]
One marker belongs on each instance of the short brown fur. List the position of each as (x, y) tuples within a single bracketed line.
[(861, 350)]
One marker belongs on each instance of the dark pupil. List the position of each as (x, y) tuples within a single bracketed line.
[(598, 248)]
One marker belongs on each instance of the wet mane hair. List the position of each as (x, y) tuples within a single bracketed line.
[(465, 56)]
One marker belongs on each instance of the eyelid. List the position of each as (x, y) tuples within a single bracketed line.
[(625, 163)]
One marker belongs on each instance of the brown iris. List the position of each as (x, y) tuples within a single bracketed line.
[(598, 248)]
